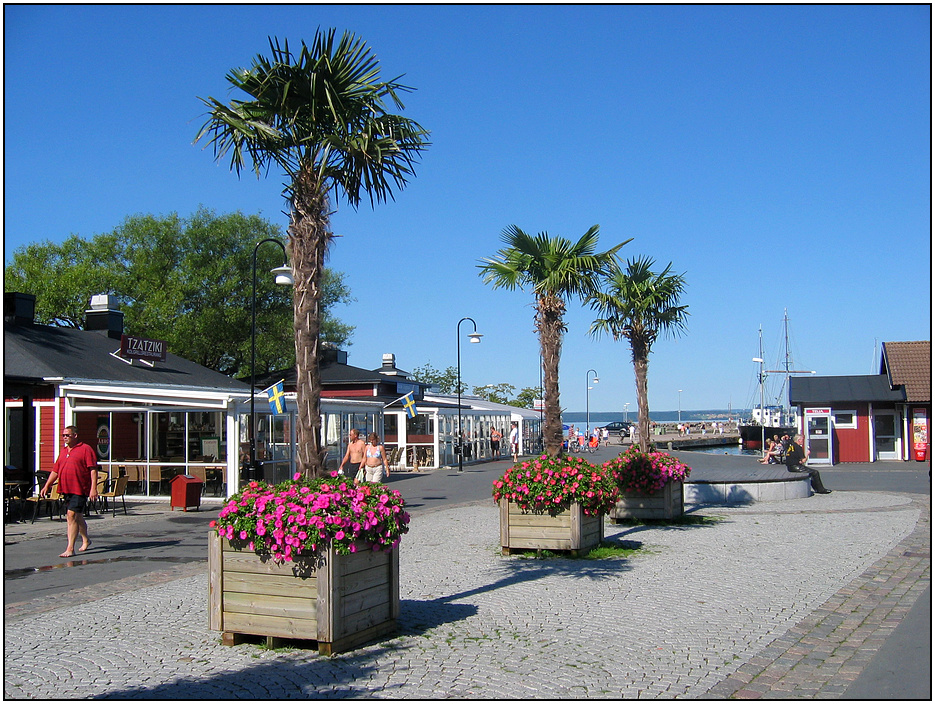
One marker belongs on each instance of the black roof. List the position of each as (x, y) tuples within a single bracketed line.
[(335, 373), (839, 389), (33, 353)]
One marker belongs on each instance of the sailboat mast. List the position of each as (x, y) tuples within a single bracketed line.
[(762, 397), (788, 362)]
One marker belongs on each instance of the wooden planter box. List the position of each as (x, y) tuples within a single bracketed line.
[(664, 504), (569, 530), (347, 601)]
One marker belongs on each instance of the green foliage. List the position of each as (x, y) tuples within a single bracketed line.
[(446, 380), (556, 269), (321, 115), (637, 304), (647, 472), (321, 111), (495, 393), (553, 484), (526, 396), (301, 519), (184, 280)]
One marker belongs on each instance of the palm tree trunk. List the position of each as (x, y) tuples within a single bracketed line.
[(641, 369), (309, 237), (549, 313)]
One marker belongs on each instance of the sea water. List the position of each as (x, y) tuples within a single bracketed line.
[(723, 450)]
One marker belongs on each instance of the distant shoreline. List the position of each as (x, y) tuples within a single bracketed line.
[(598, 418)]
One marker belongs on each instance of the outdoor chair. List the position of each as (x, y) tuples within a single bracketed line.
[(119, 490), (52, 502), (96, 504)]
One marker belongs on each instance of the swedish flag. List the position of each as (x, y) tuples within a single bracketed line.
[(409, 404), (277, 398)]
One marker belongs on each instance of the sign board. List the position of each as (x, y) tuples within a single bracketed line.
[(141, 348), (103, 441), (538, 404), (818, 437), (920, 433)]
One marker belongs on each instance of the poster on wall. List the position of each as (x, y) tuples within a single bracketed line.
[(103, 441), (920, 434)]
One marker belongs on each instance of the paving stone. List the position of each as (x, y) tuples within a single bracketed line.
[(713, 611)]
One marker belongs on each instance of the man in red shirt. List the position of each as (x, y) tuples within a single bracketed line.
[(76, 471)]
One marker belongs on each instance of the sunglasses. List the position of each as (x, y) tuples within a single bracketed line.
[(67, 435)]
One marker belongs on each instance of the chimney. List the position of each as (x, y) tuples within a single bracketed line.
[(389, 362), (330, 354), (104, 316), (19, 308)]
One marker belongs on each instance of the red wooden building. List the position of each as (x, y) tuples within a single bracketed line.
[(885, 416)]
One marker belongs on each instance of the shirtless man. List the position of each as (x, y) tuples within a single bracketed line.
[(355, 450)]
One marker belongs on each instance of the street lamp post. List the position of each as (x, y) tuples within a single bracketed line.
[(587, 400), (283, 278), (680, 405), (626, 413), (475, 338)]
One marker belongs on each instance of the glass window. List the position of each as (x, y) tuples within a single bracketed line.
[(845, 419), (390, 428), (331, 434), (420, 428)]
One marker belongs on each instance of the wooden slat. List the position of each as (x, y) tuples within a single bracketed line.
[(362, 620), (540, 520), (245, 561), (270, 626), (270, 584), (360, 581), (355, 639), (362, 560), (264, 605), (215, 583), (532, 533), (365, 600), (540, 544)]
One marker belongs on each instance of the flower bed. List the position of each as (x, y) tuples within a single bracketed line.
[(553, 503), (311, 560), (651, 485), (553, 484), (646, 472), (301, 518)]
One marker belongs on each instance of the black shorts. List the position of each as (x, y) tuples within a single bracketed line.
[(75, 502)]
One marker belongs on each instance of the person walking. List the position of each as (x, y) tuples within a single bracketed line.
[(514, 441), (355, 450), (796, 457), (495, 437), (374, 460), (76, 472)]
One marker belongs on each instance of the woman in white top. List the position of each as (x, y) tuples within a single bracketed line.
[(374, 463)]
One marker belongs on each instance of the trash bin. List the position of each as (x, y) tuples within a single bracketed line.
[(186, 492)]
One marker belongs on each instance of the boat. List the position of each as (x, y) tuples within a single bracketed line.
[(776, 419)]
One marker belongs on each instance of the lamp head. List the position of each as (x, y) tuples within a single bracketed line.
[(475, 337), (283, 275)]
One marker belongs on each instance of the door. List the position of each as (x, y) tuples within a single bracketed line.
[(886, 437), (818, 438)]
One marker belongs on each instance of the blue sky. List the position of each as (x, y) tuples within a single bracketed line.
[(779, 156)]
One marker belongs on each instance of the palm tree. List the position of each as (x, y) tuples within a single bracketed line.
[(637, 304), (556, 269), (320, 116)]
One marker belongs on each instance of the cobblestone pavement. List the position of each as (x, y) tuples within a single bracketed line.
[(780, 600)]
